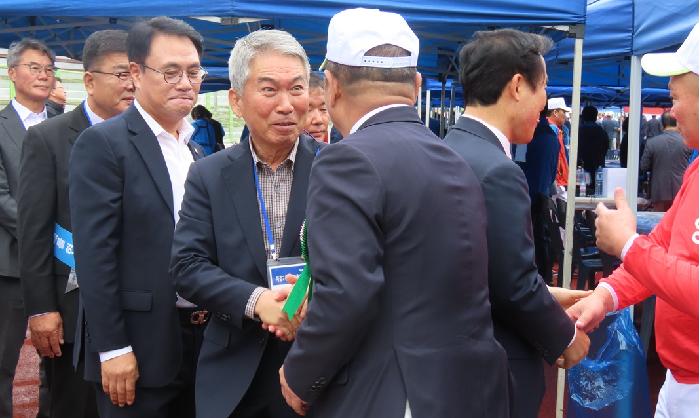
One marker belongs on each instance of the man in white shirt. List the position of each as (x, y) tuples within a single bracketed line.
[(30, 67), (141, 341)]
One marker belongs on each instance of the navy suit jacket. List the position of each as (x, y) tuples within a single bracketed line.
[(400, 307), (43, 202), (121, 207), (218, 259), (528, 322)]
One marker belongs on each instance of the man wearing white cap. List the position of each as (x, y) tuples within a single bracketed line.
[(557, 118), (665, 262), (399, 323)]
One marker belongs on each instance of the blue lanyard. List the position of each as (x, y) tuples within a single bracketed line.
[(263, 211)]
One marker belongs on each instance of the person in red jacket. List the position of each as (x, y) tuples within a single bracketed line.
[(665, 262)]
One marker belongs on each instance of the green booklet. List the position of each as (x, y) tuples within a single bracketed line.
[(304, 282)]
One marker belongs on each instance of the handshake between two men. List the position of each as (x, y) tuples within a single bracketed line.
[(270, 310)]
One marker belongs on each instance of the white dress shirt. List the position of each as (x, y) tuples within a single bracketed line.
[(369, 114), (93, 117), (500, 135), (28, 117), (178, 159)]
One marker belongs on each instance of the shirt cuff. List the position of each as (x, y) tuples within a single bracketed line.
[(252, 300), (611, 290), (627, 246), (109, 355), (40, 314), (573, 339)]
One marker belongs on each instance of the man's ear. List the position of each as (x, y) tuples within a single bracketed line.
[(515, 87), (234, 100), (12, 74), (419, 84), (333, 89), (136, 74), (89, 82)]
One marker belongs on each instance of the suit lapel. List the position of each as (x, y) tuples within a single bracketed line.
[(78, 123), (479, 130), (147, 145), (13, 125), (296, 207), (240, 186)]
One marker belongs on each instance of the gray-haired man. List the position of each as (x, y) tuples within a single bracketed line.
[(30, 68), (242, 212)]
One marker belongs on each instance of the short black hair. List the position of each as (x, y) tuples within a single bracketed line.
[(101, 43), (141, 36), (200, 112), (589, 114), (667, 120), (348, 75), (316, 81), (491, 59)]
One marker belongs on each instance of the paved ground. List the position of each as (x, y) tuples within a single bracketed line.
[(26, 385), (26, 390)]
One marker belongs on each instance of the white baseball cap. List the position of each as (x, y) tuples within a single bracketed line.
[(353, 32), (557, 103), (675, 63)]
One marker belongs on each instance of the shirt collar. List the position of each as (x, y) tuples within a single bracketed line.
[(24, 112), (93, 117), (291, 157), (369, 114), (185, 130), (505, 144)]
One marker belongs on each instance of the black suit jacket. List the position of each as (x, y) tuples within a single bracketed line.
[(43, 202), (11, 136), (122, 211), (400, 307), (528, 322), (219, 259)]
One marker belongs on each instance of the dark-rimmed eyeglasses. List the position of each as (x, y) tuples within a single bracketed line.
[(121, 75), (37, 69), (174, 76)]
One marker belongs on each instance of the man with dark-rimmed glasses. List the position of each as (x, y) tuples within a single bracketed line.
[(127, 175), (50, 294), (30, 67)]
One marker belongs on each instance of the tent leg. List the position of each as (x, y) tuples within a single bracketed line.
[(442, 109), (571, 190), (633, 137), (419, 104), (451, 120), (427, 107)]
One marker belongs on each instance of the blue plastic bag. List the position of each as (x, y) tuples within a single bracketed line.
[(611, 382)]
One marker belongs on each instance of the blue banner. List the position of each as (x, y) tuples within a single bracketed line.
[(63, 246)]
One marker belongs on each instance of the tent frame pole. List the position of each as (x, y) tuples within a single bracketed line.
[(427, 106), (442, 107), (577, 31), (633, 132), (419, 103)]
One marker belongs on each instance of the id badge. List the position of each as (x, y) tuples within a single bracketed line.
[(278, 269), (72, 282)]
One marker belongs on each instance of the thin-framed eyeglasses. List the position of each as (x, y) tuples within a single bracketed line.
[(173, 76), (37, 69), (121, 75)]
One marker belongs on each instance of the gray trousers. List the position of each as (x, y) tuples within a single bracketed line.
[(13, 327)]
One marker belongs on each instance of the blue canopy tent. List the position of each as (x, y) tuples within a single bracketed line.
[(441, 25)]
